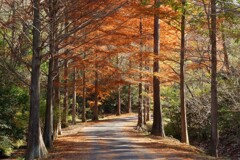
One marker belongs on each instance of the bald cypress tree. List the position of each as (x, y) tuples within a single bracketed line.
[(35, 145), (157, 128)]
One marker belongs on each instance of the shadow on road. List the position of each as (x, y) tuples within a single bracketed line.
[(116, 139)]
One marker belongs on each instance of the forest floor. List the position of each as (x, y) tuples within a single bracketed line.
[(116, 138)]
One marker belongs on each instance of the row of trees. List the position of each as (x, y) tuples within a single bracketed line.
[(89, 50)]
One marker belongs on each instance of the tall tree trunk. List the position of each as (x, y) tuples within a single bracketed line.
[(119, 101), (35, 145), (140, 107), (74, 97), (95, 107), (84, 97), (184, 129), (129, 109), (214, 99), (84, 119), (57, 129), (226, 61), (140, 85), (147, 103), (147, 90), (157, 128), (56, 82), (65, 100), (119, 94), (48, 128)]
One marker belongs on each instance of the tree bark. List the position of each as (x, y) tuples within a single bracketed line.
[(84, 97), (66, 95), (226, 60), (140, 122), (65, 100), (35, 146), (147, 103), (48, 128), (157, 128), (184, 129), (95, 107), (57, 129), (147, 98), (214, 99), (129, 110), (119, 101), (119, 94), (74, 97)]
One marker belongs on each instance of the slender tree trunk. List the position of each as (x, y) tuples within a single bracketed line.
[(140, 106), (148, 110), (140, 85), (48, 128), (157, 128), (119, 101), (84, 97), (129, 110), (35, 145), (84, 119), (95, 108), (119, 94), (226, 61), (147, 98), (147, 103), (144, 113), (65, 100), (214, 100), (57, 130), (184, 129), (74, 97)]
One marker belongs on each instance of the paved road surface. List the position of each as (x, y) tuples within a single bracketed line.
[(109, 140), (101, 141)]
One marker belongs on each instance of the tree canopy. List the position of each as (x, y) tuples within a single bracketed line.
[(62, 61)]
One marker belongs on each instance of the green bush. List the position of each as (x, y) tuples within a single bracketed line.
[(14, 111), (6, 146)]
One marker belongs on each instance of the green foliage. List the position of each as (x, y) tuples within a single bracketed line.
[(42, 109), (109, 105), (197, 112), (5, 146), (56, 114), (134, 95), (170, 104), (14, 112), (145, 2), (13, 107), (175, 5), (229, 110)]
